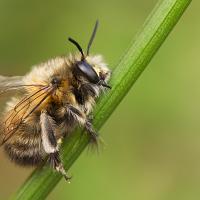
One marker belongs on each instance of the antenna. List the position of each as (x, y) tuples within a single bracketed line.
[(92, 37), (78, 46)]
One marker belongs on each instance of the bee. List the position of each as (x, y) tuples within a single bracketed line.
[(48, 103)]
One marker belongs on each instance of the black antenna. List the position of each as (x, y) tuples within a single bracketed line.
[(92, 37), (78, 46)]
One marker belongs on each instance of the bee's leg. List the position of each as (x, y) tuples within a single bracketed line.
[(50, 144), (83, 121), (90, 130), (56, 164)]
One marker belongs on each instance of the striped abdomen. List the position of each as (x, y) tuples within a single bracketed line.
[(25, 147)]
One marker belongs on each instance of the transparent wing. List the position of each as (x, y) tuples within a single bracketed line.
[(6, 80), (8, 84), (23, 110), (13, 84), (28, 104)]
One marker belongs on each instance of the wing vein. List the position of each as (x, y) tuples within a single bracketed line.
[(14, 125)]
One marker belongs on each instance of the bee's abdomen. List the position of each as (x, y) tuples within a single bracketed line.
[(25, 147), (20, 156)]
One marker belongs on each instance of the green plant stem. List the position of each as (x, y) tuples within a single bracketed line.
[(155, 30)]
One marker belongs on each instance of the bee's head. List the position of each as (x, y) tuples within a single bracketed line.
[(85, 68)]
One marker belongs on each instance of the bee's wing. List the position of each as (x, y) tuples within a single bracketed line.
[(8, 84), (14, 84), (18, 115), (25, 107), (10, 79)]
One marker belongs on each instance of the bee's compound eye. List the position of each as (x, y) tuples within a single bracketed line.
[(88, 72), (55, 81)]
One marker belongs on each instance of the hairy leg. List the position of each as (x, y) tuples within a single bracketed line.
[(84, 121), (50, 144)]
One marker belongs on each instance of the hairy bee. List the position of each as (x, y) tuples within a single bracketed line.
[(49, 102)]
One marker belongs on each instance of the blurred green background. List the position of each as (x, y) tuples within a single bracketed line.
[(153, 138)]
